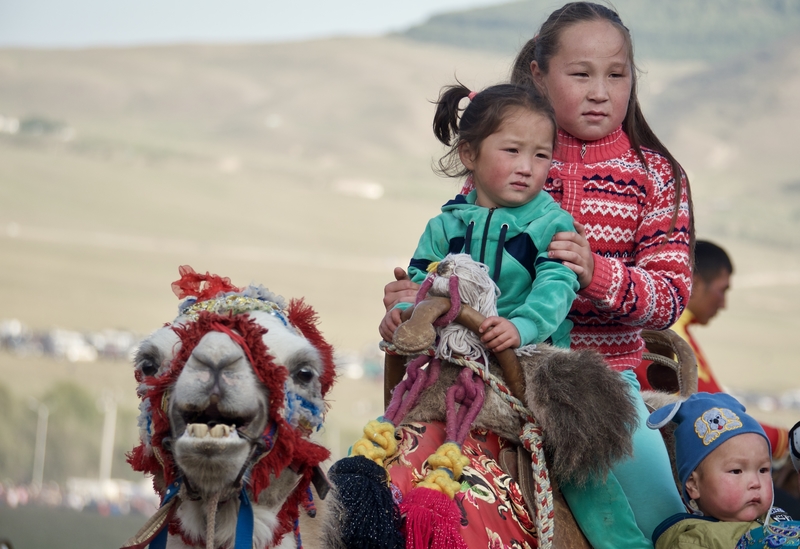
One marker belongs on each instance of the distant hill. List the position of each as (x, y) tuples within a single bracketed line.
[(734, 126), (708, 30)]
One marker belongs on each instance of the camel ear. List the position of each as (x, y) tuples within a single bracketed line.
[(662, 416)]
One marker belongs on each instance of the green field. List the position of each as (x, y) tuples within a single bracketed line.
[(38, 527)]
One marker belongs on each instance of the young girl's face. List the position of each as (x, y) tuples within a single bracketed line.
[(734, 483), (589, 79), (511, 165)]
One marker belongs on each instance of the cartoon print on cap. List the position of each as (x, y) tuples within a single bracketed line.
[(714, 422)]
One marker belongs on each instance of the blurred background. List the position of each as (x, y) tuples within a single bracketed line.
[(289, 144)]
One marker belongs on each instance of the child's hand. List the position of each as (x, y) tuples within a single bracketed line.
[(573, 249), (391, 320), (402, 290), (499, 334)]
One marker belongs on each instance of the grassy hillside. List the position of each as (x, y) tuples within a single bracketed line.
[(306, 167), (249, 161), (733, 127), (675, 30)]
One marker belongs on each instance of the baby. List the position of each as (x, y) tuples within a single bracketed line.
[(724, 467)]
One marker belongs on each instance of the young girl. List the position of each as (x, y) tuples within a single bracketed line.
[(504, 142), (631, 247)]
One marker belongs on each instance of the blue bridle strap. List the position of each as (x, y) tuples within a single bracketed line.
[(160, 541), (244, 522)]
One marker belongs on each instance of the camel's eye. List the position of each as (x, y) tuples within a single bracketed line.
[(148, 366), (304, 375)]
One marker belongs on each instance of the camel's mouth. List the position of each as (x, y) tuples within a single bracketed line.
[(202, 430), (213, 423)]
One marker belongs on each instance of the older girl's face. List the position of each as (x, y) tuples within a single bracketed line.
[(589, 79)]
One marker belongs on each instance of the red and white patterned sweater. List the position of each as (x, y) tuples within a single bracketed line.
[(638, 282)]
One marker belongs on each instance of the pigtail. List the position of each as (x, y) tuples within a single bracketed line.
[(445, 121), (480, 118)]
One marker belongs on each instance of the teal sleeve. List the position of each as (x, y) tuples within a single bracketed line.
[(548, 302), (550, 296), (432, 246)]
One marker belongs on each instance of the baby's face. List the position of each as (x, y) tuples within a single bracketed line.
[(734, 483)]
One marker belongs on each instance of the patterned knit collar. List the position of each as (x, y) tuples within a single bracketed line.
[(569, 148)]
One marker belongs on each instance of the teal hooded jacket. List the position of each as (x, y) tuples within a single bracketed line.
[(536, 292)]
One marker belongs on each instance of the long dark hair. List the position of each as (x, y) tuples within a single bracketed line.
[(481, 118), (544, 45)]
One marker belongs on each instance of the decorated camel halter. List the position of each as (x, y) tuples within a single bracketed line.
[(213, 304), (431, 516)]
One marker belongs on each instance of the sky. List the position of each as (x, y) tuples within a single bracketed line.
[(86, 23)]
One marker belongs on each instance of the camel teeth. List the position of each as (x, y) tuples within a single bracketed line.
[(219, 431), (197, 430)]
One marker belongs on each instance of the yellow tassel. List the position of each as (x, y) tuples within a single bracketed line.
[(377, 443), (440, 481), (447, 463), (449, 456)]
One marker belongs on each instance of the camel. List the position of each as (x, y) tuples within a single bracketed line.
[(231, 392), (580, 405)]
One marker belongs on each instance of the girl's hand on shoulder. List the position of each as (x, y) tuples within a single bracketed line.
[(574, 251), (499, 334), (391, 320), (401, 290)]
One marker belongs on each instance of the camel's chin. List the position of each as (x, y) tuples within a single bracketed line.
[(213, 462)]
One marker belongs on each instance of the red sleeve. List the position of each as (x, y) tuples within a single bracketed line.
[(778, 439), (651, 293)]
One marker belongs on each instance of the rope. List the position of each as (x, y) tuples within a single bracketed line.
[(533, 439), (407, 392), (468, 392), (498, 387), (211, 520)]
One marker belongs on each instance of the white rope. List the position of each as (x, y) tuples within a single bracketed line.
[(478, 290)]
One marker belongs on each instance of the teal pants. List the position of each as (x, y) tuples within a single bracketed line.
[(622, 511)]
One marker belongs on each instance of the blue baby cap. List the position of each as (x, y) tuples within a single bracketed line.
[(703, 422)]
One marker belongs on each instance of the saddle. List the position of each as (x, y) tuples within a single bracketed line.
[(672, 370)]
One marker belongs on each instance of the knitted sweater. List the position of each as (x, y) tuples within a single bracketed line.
[(640, 281)]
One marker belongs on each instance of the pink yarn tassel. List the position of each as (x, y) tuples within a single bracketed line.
[(432, 520)]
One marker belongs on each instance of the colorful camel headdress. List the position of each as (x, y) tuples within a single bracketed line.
[(212, 303)]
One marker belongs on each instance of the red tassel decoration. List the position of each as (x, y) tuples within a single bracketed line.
[(432, 520)]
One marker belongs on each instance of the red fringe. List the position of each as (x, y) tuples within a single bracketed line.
[(304, 318), (203, 287), (432, 520)]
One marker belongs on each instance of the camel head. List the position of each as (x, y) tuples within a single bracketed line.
[(231, 391)]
